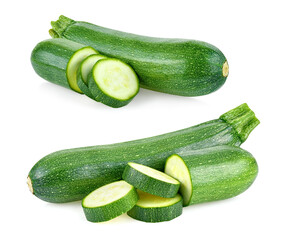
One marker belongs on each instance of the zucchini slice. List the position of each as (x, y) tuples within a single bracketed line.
[(74, 64), (150, 180), (109, 201), (113, 82), (83, 72), (151, 208)]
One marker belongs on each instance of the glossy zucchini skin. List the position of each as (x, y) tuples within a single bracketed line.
[(175, 66), (69, 175), (50, 59), (219, 172)]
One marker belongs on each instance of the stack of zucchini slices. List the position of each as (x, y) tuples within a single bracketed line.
[(82, 69), (146, 194)]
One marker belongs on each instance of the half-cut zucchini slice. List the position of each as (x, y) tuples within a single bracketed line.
[(150, 180), (109, 201)]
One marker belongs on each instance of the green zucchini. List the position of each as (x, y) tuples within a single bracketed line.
[(57, 61), (113, 82), (83, 72), (69, 175), (151, 208), (109, 201), (150, 180), (212, 174), (175, 66)]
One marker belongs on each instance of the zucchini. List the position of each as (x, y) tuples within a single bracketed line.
[(83, 72), (150, 180), (109, 201), (175, 66), (57, 61), (212, 174), (151, 208), (113, 82), (69, 175)]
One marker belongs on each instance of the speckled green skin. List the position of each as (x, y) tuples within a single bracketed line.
[(69, 175), (149, 184), (156, 214), (111, 210), (102, 96), (50, 58), (175, 66), (219, 172)]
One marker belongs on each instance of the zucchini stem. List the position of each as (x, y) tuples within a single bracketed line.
[(30, 185), (59, 26), (242, 119)]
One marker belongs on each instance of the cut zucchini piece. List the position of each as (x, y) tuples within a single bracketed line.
[(113, 82), (74, 64), (176, 167), (83, 72), (50, 59), (212, 174), (150, 180), (151, 208), (109, 201)]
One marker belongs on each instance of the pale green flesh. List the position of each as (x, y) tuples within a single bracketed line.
[(153, 173), (176, 168), (147, 200), (74, 64), (107, 194), (88, 64), (116, 79)]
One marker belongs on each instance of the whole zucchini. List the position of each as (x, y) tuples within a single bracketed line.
[(176, 66), (69, 175)]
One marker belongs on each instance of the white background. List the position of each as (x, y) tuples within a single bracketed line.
[(39, 117)]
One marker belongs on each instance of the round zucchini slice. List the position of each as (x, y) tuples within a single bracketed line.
[(83, 72), (113, 82), (151, 208), (73, 65), (109, 201), (150, 180)]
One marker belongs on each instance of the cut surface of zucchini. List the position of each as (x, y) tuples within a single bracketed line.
[(88, 64), (176, 168), (113, 82), (150, 180), (109, 201), (73, 65), (151, 208), (83, 71)]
